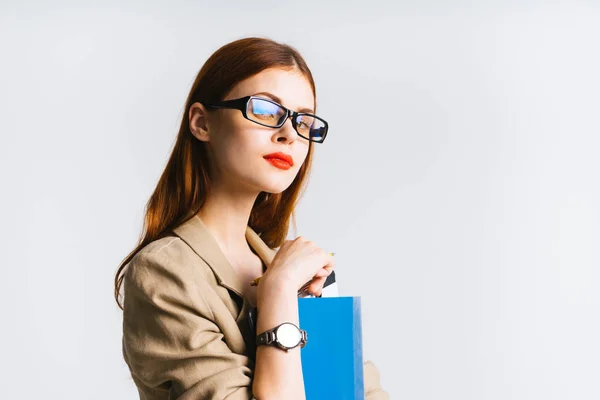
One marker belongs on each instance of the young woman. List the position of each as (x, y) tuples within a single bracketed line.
[(241, 158)]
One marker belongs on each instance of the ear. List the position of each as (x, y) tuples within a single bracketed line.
[(199, 122)]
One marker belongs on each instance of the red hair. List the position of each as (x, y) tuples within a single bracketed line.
[(185, 184)]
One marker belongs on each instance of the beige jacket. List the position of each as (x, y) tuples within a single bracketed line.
[(185, 320)]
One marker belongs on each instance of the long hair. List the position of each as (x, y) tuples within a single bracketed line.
[(185, 183)]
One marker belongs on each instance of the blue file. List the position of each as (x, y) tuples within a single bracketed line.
[(332, 360)]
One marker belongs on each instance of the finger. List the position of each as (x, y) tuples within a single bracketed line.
[(323, 272), (316, 287), (330, 260)]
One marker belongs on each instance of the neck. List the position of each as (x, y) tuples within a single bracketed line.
[(226, 215)]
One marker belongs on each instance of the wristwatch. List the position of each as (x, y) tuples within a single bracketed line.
[(286, 336)]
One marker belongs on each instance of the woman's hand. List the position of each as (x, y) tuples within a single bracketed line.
[(297, 262)]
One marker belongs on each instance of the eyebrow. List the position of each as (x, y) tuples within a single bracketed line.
[(277, 99)]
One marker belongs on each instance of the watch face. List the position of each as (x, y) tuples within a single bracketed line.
[(288, 335)]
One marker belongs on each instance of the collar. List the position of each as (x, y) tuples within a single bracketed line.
[(197, 235)]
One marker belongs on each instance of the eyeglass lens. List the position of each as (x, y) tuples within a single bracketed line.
[(271, 114)]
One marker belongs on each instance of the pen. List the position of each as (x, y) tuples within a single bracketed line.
[(254, 282)]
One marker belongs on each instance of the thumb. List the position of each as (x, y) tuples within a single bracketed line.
[(316, 286)]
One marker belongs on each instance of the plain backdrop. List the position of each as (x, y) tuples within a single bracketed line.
[(458, 185)]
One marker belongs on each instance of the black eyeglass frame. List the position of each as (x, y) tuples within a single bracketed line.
[(242, 105)]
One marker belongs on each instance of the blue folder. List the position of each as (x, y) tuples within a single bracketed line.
[(332, 360)]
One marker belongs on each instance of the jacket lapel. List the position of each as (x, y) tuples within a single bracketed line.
[(197, 235)]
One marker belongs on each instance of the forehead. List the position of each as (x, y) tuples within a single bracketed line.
[(291, 86)]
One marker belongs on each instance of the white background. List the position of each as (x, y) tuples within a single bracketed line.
[(458, 185)]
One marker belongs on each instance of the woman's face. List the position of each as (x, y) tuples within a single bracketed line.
[(238, 146)]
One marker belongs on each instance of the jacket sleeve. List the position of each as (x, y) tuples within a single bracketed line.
[(170, 338), (373, 390)]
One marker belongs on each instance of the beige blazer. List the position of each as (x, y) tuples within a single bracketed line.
[(185, 320)]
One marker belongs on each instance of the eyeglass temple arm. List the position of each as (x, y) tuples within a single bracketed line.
[(237, 103)]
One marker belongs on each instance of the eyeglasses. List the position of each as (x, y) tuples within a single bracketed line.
[(269, 113)]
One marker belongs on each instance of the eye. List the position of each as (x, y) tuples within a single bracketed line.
[(264, 108)]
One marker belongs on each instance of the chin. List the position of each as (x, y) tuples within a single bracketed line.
[(276, 186), (273, 181), (271, 189)]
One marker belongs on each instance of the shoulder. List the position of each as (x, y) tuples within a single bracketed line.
[(167, 259), (167, 277)]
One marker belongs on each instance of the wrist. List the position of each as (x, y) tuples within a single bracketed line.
[(275, 285), (277, 302)]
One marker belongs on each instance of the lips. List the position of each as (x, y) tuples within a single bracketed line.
[(280, 156)]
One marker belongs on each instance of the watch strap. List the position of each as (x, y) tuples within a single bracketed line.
[(269, 338)]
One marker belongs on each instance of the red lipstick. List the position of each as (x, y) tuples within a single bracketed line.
[(280, 160)]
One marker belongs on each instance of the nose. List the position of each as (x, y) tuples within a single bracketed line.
[(287, 132)]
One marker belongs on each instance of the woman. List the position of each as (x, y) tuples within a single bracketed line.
[(238, 166)]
